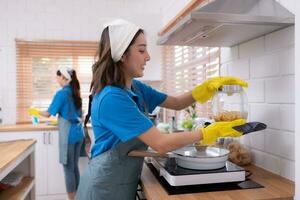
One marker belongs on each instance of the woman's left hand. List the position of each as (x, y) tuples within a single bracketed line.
[(34, 112)]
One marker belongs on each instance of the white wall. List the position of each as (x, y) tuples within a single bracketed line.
[(267, 64), (297, 99), (171, 8), (68, 20)]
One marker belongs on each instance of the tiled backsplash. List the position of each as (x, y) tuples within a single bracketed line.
[(267, 64)]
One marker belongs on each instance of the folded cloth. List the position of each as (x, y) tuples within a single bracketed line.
[(12, 179), (121, 33)]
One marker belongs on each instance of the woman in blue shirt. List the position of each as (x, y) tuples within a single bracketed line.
[(119, 116), (67, 103)]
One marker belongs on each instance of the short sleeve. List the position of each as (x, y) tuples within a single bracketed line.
[(152, 97), (119, 114), (57, 103)]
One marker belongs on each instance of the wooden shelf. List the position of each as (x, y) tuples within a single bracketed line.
[(13, 153), (20, 191)]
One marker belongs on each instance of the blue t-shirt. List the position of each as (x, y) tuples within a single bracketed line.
[(118, 115), (61, 105)]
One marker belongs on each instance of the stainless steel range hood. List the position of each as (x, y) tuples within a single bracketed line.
[(227, 23)]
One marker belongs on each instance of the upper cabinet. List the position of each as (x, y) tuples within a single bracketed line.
[(224, 22)]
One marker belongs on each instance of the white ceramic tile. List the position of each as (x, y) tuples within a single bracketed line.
[(224, 70), (3, 32), (266, 161), (287, 117), (11, 61), (289, 4), (287, 169), (252, 48), (19, 31), (36, 6), (256, 91), (280, 39), (16, 7), (239, 68), (257, 140), (287, 61), (53, 34), (35, 30), (267, 113), (52, 21), (272, 163), (280, 90), (280, 143), (264, 66), (9, 116), (258, 157), (229, 54)]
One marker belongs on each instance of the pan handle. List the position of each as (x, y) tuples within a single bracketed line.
[(141, 153)]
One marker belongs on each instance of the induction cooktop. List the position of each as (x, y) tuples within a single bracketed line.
[(178, 180)]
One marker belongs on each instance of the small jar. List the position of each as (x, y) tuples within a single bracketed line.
[(230, 103)]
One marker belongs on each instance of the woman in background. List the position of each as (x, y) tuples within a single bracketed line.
[(67, 103)]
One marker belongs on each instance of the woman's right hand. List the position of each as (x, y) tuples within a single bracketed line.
[(220, 129)]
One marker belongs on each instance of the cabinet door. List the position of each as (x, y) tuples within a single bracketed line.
[(40, 156), (56, 178)]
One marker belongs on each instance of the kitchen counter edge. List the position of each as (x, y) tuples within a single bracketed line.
[(28, 127)]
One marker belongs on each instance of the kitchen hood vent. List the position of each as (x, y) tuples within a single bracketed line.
[(227, 23)]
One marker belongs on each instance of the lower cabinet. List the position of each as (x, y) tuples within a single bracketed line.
[(50, 182)]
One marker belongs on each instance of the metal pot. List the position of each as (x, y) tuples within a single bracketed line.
[(191, 157)]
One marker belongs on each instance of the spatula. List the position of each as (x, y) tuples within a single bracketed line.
[(250, 127)]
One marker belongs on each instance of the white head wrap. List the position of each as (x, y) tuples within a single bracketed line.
[(66, 72), (121, 33)]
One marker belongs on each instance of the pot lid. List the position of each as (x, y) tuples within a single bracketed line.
[(207, 152)]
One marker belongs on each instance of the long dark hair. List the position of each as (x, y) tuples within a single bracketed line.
[(75, 87), (105, 70)]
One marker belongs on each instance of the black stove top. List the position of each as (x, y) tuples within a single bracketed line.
[(173, 169)]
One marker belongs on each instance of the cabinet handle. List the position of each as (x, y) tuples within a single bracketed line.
[(49, 138), (44, 137)]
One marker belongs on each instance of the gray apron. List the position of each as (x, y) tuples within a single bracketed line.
[(63, 130), (112, 175)]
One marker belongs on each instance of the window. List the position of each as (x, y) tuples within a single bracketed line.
[(37, 63), (184, 68)]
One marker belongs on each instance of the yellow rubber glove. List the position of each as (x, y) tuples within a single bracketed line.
[(221, 129), (206, 90), (34, 112)]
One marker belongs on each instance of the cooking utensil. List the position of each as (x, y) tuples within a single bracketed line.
[(250, 127), (191, 158), (199, 157)]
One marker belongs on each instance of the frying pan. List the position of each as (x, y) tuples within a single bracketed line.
[(196, 158), (191, 158)]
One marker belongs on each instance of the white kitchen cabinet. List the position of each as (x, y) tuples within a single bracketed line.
[(49, 172), (56, 179)]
